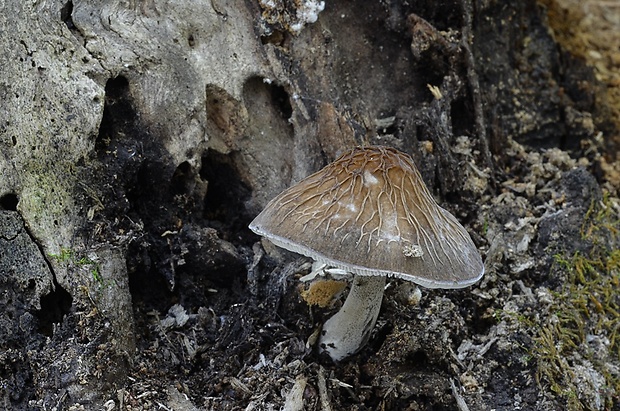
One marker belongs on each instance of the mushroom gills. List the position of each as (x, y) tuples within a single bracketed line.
[(349, 329)]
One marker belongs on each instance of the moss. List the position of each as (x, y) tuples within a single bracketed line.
[(68, 256), (515, 317), (47, 201), (587, 305)]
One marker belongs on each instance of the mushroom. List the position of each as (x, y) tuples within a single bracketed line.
[(369, 213)]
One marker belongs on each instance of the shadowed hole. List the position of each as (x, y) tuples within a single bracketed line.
[(226, 195), (54, 306), (182, 179), (65, 15), (281, 100), (276, 38), (9, 202)]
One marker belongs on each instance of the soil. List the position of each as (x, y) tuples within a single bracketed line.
[(517, 138)]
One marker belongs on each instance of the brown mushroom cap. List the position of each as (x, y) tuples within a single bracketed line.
[(370, 213)]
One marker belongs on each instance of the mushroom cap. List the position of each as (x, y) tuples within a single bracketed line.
[(370, 213)]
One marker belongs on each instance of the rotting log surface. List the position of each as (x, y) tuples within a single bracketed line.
[(138, 139)]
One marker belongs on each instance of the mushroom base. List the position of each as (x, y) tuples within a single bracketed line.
[(349, 329)]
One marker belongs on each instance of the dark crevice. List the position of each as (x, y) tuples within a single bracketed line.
[(65, 15), (226, 196), (379, 337), (461, 113), (281, 100), (419, 359), (148, 288), (276, 37), (175, 256), (191, 41), (130, 153), (56, 304), (182, 179), (9, 202), (117, 113)]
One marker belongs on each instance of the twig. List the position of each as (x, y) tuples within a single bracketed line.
[(323, 395), (252, 271), (460, 402), (295, 398)]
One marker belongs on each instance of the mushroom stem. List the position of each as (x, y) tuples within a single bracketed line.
[(348, 330)]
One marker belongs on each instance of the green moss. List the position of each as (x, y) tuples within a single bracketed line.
[(48, 192), (64, 256), (512, 316), (485, 227), (68, 256), (588, 304)]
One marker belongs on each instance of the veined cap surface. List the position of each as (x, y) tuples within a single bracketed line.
[(370, 213)]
